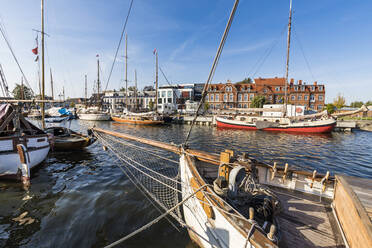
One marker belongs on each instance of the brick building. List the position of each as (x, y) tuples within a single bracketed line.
[(229, 95)]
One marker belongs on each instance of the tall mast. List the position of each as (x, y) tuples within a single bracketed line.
[(156, 82), (86, 91), (22, 90), (51, 83), (287, 62), (42, 67), (63, 91), (126, 70), (98, 83), (135, 89)]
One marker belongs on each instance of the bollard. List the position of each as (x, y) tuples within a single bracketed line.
[(313, 179), (271, 234), (25, 168), (274, 171), (285, 172)]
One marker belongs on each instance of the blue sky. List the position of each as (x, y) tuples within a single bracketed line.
[(334, 35)]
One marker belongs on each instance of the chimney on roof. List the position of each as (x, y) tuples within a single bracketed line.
[(229, 81), (299, 82), (315, 83), (292, 81)]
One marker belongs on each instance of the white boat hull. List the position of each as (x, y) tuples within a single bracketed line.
[(206, 232), (94, 117), (37, 150)]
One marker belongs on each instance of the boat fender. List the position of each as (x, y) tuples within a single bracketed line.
[(271, 234), (237, 175)]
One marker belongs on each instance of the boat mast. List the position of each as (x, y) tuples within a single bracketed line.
[(51, 83), (156, 82), (42, 68), (135, 89), (287, 62), (86, 91), (22, 90), (98, 83), (126, 71)]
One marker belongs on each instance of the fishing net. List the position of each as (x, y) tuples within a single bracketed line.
[(153, 171)]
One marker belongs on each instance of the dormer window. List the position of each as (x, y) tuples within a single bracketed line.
[(320, 88), (277, 88)]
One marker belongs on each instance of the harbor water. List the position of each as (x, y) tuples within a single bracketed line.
[(82, 199)]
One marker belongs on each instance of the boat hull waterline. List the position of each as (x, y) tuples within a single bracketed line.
[(137, 122), (324, 126)]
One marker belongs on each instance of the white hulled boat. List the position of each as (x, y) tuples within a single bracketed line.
[(14, 130)]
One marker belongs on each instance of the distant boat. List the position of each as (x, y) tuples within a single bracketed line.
[(32, 138), (138, 120), (66, 139), (95, 114)]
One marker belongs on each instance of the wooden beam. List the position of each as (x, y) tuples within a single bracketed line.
[(7, 120)]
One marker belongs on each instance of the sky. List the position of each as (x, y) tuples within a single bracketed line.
[(331, 42)]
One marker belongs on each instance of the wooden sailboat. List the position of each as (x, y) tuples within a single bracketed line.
[(95, 114), (323, 124), (66, 139), (149, 118), (232, 200)]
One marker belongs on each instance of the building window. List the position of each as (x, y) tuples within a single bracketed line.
[(320, 107), (218, 106), (293, 97), (320, 97), (231, 98), (320, 87), (296, 88), (159, 101), (169, 100), (245, 105), (239, 105), (302, 88), (225, 97), (312, 106), (277, 88), (239, 98), (249, 89), (299, 97), (270, 98), (163, 94), (245, 97), (217, 97), (265, 90), (169, 93), (251, 96), (231, 105), (306, 97), (212, 96), (312, 98), (312, 88)]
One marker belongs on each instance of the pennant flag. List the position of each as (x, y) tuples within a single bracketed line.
[(97, 55), (37, 58), (34, 50), (154, 51)]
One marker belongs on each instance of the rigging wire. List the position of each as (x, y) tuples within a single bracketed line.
[(2, 31), (214, 66), (118, 47), (303, 54)]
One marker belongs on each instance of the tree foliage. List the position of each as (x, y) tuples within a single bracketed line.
[(258, 101), (369, 103), (151, 105), (17, 92), (339, 101), (149, 88), (245, 81), (330, 108), (356, 104)]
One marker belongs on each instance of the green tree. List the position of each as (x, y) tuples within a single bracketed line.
[(339, 101), (20, 92), (206, 107), (245, 81), (369, 103), (122, 89), (330, 108), (356, 104), (151, 105), (258, 101), (72, 105)]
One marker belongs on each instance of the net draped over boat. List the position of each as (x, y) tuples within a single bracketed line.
[(153, 171)]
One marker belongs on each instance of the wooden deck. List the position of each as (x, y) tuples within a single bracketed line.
[(362, 187), (307, 222)]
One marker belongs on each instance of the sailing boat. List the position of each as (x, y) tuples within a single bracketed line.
[(321, 123), (95, 114), (147, 118), (236, 201)]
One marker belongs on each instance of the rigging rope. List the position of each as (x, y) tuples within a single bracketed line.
[(2, 31), (118, 47), (214, 66)]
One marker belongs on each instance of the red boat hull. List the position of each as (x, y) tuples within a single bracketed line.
[(306, 129)]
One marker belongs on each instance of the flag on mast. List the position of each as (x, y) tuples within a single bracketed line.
[(154, 51), (35, 50)]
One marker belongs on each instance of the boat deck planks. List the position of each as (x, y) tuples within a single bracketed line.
[(362, 187), (306, 222)]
